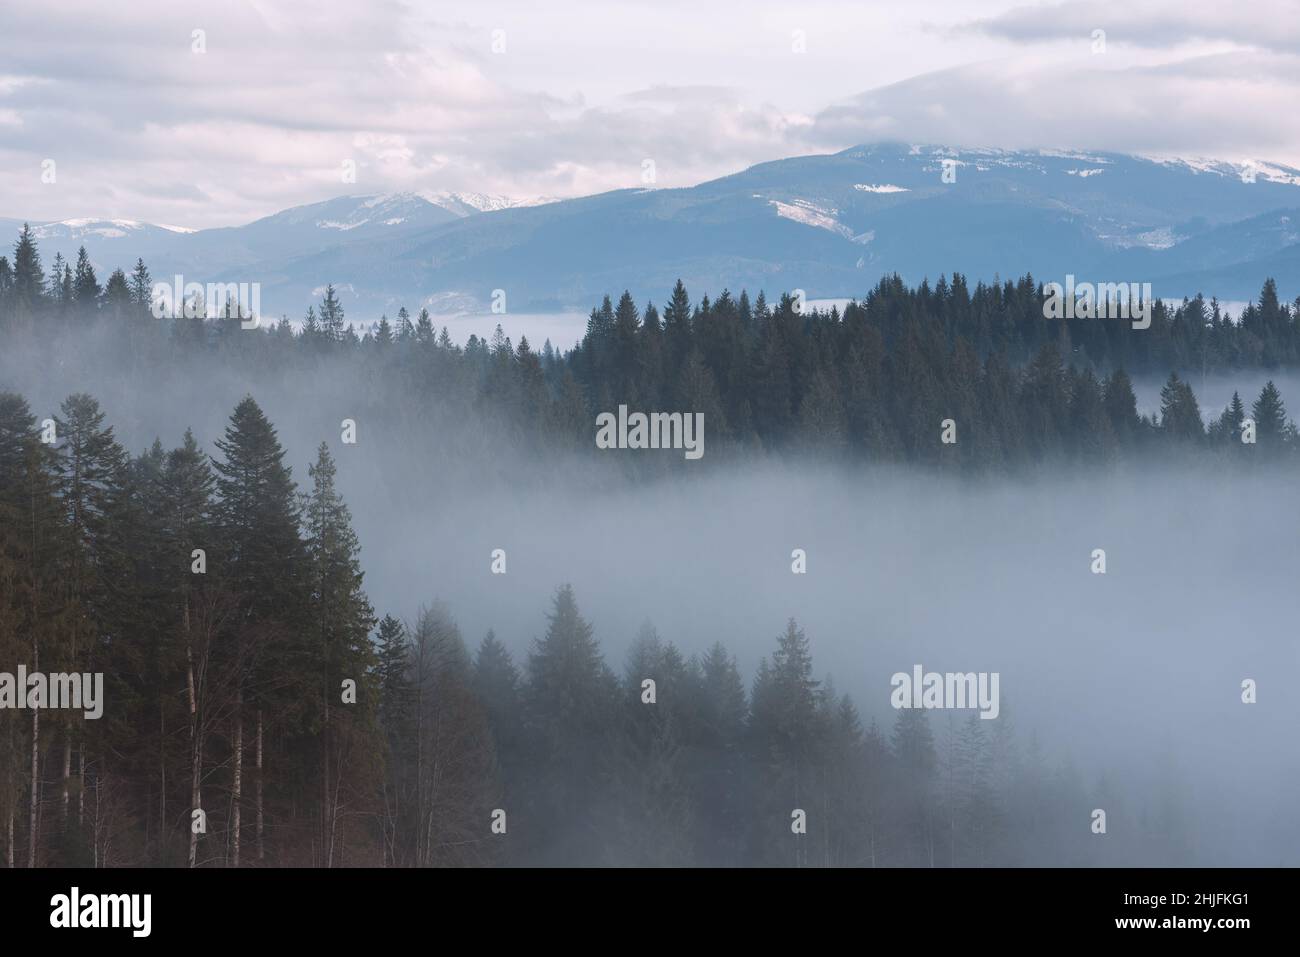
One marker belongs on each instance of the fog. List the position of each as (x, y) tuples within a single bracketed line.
[(1135, 674), (1214, 389), (563, 329)]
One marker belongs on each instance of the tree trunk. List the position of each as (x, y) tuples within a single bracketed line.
[(196, 750), (34, 826), (826, 823), (238, 783), (258, 797), (327, 814), (162, 782), (419, 756), (67, 773), (11, 792), (81, 777), (34, 823)]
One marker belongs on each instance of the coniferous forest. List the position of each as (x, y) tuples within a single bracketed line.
[(221, 587)]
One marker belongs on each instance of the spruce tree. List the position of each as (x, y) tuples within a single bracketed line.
[(85, 287), (1180, 416), (90, 467), (28, 276), (36, 616), (264, 564), (331, 316), (141, 285), (342, 618), (1269, 414), (569, 705), (189, 542)]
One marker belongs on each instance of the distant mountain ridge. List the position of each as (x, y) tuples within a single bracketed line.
[(828, 224)]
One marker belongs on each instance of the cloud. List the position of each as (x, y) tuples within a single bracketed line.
[(1225, 105), (1266, 24), (143, 127)]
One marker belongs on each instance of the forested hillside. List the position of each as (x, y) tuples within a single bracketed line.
[(228, 614), (871, 383), (219, 587)]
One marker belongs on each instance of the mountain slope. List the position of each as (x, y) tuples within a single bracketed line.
[(830, 225)]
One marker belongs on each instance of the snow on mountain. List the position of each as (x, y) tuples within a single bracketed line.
[(829, 224), (397, 209), (77, 228), (466, 204), (1246, 170)]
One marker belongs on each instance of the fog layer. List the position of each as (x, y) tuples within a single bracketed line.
[(1134, 675)]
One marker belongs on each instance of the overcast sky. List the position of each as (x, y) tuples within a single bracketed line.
[(141, 126)]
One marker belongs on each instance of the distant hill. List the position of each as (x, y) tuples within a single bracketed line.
[(830, 225)]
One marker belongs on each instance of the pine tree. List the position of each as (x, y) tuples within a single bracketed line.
[(1228, 427), (497, 684), (1269, 414), (264, 563), (424, 328), (1121, 407), (396, 703), (118, 296), (28, 277), (795, 692), (654, 807), (189, 536), (716, 759), (454, 782), (913, 750), (331, 316), (569, 703), (54, 283), (343, 618), (404, 328), (677, 327), (141, 285), (311, 328), (1180, 416), (90, 467), (33, 542), (85, 287)]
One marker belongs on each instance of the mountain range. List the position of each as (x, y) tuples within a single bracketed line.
[(830, 225)]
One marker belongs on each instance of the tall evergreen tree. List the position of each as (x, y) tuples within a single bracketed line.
[(28, 276), (569, 704), (1269, 414), (85, 287), (264, 563), (342, 617)]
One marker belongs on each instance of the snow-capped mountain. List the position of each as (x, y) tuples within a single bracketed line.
[(101, 228), (830, 225), (467, 204)]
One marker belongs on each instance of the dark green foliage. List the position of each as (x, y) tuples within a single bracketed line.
[(871, 383)]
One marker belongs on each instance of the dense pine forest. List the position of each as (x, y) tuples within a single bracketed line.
[(219, 588), (227, 689), (872, 383)]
